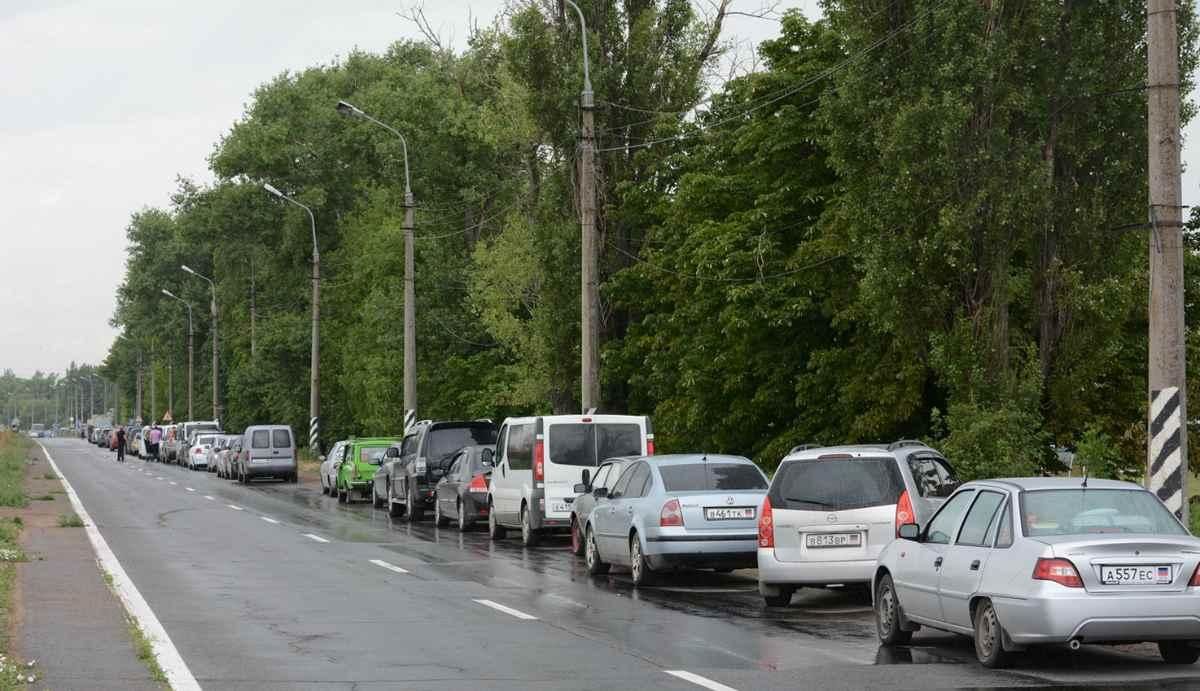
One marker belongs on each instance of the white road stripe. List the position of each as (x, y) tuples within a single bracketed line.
[(390, 567), (176, 670), (189, 489), (209, 498), (699, 680), (174, 483), (507, 610), (268, 519), (235, 508), (315, 538)]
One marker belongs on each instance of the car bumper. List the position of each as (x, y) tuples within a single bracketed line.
[(273, 469), (773, 572), (1097, 618), (714, 551)]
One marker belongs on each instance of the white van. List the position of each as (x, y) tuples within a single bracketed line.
[(539, 460)]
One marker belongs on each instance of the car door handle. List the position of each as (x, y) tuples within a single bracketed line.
[(975, 565), (937, 563)]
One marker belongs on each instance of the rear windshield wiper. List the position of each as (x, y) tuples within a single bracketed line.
[(808, 501)]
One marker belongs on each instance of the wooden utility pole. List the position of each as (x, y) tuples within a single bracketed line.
[(253, 312), (410, 299), (1167, 453)]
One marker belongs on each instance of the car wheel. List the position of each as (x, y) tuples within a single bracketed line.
[(989, 637), (591, 555), (343, 496), (639, 566), (529, 536), (464, 523), (887, 614), (1178, 652), (783, 599), (394, 510), (415, 513), (438, 519), (375, 500), (576, 538), (495, 530)]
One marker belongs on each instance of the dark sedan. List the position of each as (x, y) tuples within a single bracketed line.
[(461, 494)]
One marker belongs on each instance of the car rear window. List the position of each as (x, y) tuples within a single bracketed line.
[(722, 477), (836, 484), (370, 453), (1088, 511), (261, 439), (201, 441), (933, 476), (586, 444), (281, 439), (444, 441)]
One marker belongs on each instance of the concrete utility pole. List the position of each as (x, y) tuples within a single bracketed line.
[(153, 389), (314, 384), (253, 311), (191, 351), (216, 368), (1167, 466), (410, 293), (589, 273)]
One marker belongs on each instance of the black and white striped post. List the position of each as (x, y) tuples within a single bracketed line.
[(314, 434), (1167, 470)]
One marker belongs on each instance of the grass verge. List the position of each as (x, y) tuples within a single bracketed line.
[(13, 452), (69, 520), (145, 651)]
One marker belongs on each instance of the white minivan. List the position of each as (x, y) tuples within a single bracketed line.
[(539, 460)]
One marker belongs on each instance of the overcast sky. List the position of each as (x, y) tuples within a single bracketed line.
[(105, 102)]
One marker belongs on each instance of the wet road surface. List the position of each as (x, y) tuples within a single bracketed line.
[(276, 586)]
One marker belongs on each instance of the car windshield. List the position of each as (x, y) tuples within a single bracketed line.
[(1088, 511), (371, 453), (586, 444), (836, 484), (444, 441), (712, 477)]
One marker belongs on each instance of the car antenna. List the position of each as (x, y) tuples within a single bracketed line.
[(1085, 476)]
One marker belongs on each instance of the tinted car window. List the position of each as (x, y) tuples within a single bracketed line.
[(443, 441), (261, 439), (943, 524), (586, 444), (281, 439), (520, 447), (623, 481), (1004, 531), (932, 476), (1084, 511), (370, 453), (979, 518), (837, 484), (696, 477), (601, 476), (409, 446), (639, 482)]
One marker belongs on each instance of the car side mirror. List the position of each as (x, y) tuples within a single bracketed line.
[(580, 488), (910, 531), (600, 492), (587, 476)]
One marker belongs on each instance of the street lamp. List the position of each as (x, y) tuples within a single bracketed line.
[(216, 405), (314, 387), (589, 269), (191, 333), (410, 300)]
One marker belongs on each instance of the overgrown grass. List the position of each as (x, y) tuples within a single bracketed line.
[(13, 450), (69, 520), (145, 651), (45, 497), (49, 476)]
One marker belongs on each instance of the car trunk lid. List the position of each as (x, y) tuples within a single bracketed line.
[(1134, 563)]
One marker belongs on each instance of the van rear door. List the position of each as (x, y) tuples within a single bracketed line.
[(570, 445)]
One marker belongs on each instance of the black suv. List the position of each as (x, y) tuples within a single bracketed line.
[(407, 480)]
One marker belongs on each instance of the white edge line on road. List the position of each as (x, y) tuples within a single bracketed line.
[(176, 670), (390, 567), (699, 680), (268, 519), (315, 538), (235, 508), (507, 610)]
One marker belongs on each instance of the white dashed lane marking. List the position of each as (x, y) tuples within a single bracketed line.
[(235, 508), (315, 538), (268, 519), (507, 610), (390, 567), (209, 498), (189, 489), (699, 680)]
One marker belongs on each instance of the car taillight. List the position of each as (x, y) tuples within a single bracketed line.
[(671, 514), (904, 511), (766, 525), (1195, 582), (478, 484), (649, 446), (1060, 571), (539, 460)]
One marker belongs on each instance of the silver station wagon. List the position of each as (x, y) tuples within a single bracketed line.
[(1064, 561)]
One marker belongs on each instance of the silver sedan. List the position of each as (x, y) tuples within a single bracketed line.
[(1045, 561)]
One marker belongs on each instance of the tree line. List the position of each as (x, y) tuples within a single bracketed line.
[(919, 219)]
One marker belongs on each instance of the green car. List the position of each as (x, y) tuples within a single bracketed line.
[(356, 472)]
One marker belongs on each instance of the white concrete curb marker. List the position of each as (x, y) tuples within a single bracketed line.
[(178, 675)]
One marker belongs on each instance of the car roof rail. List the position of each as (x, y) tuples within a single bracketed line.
[(803, 447), (905, 443)]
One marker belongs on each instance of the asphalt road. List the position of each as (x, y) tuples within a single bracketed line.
[(275, 586)]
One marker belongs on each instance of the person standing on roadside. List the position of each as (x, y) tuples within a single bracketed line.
[(120, 444), (155, 439)]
